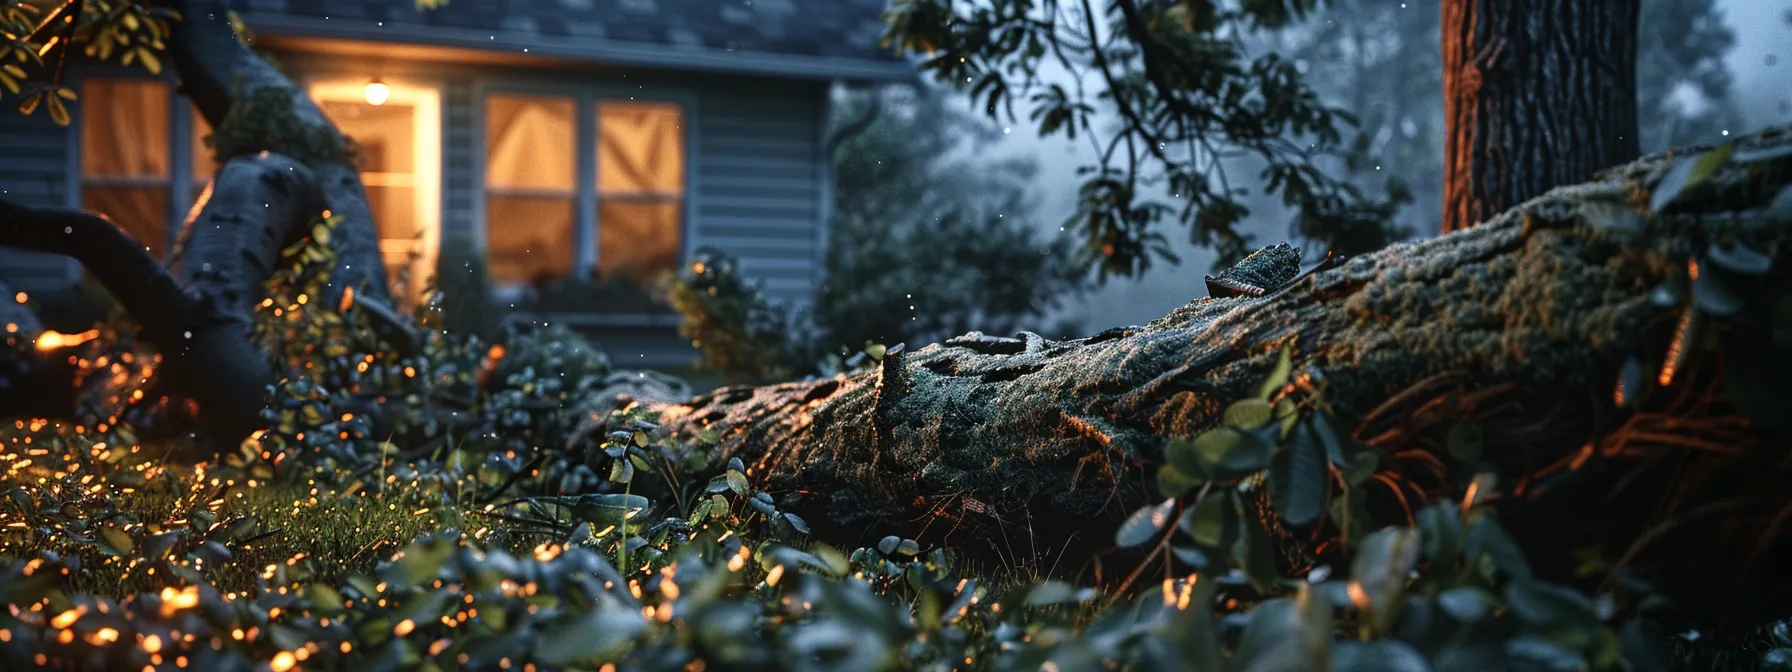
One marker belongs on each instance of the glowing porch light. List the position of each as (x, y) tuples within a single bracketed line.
[(377, 93)]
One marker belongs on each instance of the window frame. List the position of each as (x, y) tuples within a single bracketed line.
[(586, 97), (180, 181)]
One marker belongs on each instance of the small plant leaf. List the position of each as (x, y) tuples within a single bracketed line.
[(1739, 258), (1145, 524), (1687, 174), (1248, 414), (1713, 291), (1466, 442), (1278, 375), (1298, 478)]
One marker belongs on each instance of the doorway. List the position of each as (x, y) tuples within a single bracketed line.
[(398, 142)]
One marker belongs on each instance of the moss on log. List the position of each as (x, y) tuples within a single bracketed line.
[(1026, 442)]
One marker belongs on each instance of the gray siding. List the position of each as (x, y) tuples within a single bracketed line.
[(459, 177), (759, 182), (35, 168)]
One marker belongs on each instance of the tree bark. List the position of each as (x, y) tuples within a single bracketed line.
[(1025, 447), (217, 71), (198, 317), (1537, 93)]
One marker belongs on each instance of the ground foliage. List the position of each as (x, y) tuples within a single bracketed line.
[(492, 515)]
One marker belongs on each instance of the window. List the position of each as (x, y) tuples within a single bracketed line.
[(531, 188), (623, 201), (129, 169), (640, 186), (126, 157)]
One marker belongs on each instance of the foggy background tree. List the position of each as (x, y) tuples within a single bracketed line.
[(1164, 93), (1684, 86), (932, 236)]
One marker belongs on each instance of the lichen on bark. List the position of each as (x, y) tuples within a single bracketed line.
[(1061, 438)]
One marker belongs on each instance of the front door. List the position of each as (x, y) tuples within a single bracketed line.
[(397, 133)]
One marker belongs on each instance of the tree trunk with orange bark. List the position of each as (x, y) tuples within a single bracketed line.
[(1537, 94)]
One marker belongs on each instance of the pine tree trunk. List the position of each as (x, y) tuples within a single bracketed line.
[(1537, 94)]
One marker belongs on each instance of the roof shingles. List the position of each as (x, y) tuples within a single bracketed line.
[(835, 29)]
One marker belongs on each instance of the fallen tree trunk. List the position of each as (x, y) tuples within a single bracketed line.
[(223, 77), (1031, 448), (200, 317)]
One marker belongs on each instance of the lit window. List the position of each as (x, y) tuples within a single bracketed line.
[(640, 188), (531, 188), (125, 156)]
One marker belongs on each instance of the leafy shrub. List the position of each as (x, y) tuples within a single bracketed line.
[(478, 507), (736, 330), (461, 300)]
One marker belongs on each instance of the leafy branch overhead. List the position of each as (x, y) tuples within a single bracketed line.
[(1190, 101)]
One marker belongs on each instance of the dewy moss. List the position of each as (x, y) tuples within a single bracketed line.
[(267, 119)]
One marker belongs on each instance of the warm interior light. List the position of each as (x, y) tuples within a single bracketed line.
[(377, 92), (51, 340)]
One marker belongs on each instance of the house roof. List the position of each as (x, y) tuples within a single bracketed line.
[(810, 39)]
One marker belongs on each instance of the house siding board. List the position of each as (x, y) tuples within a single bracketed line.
[(458, 174), (759, 183), (35, 166)]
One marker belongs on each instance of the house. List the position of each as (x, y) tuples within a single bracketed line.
[(556, 139)]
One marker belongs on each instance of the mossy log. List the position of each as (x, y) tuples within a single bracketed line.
[(223, 76), (1029, 450)]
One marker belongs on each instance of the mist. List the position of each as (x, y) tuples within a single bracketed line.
[(1760, 62)]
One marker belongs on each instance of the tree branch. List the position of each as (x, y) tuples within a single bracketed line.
[(216, 69)]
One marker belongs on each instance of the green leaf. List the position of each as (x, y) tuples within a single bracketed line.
[(622, 471), (1687, 174), (419, 562), (1278, 376), (738, 482), (588, 637), (1466, 442), (115, 541), (1255, 554), (1713, 292), (1213, 521), (324, 599), (1172, 482), (1298, 478), (1466, 604), (1487, 538), (1145, 524), (1739, 258), (1227, 453), (1544, 604), (1054, 593), (1383, 656), (1762, 154), (1248, 414), (1383, 562)]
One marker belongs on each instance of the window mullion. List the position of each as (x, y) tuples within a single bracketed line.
[(180, 165), (586, 259)]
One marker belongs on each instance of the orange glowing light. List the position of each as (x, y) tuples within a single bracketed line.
[(53, 340)]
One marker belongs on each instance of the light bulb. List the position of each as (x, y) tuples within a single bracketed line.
[(377, 93)]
